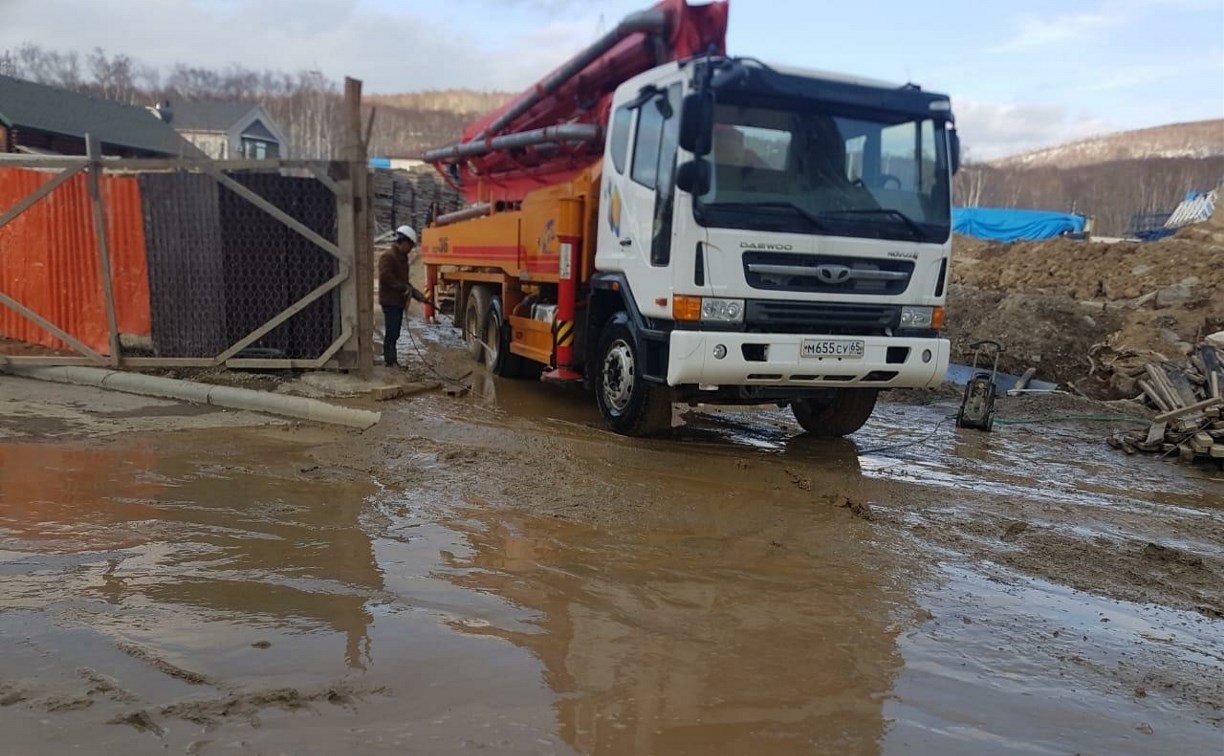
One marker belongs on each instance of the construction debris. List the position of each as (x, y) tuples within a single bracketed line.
[(1188, 394)]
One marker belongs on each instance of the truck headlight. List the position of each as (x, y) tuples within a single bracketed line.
[(917, 317), (922, 317), (722, 310)]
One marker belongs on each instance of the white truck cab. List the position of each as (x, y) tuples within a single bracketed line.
[(784, 236)]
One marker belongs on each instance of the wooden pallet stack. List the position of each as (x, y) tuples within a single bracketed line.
[(407, 197), (1189, 397)]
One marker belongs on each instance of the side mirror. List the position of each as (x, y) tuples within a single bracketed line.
[(954, 149), (694, 177), (697, 123)]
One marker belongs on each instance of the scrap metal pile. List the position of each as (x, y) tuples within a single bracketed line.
[(1189, 397)]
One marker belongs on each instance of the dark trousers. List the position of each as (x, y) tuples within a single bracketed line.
[(394, 317)]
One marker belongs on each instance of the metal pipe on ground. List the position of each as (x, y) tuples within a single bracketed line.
[(567, 132), (228, 397)]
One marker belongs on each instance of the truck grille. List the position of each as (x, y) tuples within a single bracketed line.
[(826, 274), (835, 318)]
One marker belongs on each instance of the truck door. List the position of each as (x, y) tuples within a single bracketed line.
[(639, 198)]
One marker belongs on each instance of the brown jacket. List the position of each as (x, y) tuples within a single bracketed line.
[(392, 279)]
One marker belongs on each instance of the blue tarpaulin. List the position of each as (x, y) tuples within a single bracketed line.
[(1005, 225)]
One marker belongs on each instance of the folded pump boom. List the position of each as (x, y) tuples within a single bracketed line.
[(554, 130)]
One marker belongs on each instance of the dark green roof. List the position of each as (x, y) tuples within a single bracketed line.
[(24, 104)]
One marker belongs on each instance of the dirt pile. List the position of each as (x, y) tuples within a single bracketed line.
[(1051, 302)]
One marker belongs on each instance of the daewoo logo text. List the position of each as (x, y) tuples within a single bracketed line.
[(766, 246)]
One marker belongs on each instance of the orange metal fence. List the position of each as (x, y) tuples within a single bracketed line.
[(49, 259)]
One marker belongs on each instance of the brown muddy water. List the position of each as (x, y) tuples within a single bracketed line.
[(499, 574)]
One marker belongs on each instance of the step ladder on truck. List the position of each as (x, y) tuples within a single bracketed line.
[(665, 223)]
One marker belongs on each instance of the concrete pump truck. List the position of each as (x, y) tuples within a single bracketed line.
[(665, 223)]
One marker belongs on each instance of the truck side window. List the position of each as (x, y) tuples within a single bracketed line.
[(646, 151), (620, 137), (660, 243)]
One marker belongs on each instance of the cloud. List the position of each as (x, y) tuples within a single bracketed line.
[(1036, 32), (991, 130), (392, 50)]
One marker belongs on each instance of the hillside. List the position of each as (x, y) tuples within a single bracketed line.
[(1199, 139), (459, 101)]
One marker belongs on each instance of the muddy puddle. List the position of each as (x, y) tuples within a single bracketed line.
[(500, 574)]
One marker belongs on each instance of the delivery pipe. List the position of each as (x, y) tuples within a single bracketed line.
[(649, 22), (475, 211), (566, 132), (297, 407)]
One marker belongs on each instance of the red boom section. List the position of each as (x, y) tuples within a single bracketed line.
[(507, 153)]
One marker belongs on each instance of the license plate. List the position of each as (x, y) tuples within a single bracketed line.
[(846, 349)]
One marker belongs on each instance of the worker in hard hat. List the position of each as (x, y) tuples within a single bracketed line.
[(394, 289)]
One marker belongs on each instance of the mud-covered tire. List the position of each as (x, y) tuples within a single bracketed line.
[(840, 416), (630, 405), (474, 311), (498, 357)]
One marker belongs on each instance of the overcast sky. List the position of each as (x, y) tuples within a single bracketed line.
[(1021, 75)]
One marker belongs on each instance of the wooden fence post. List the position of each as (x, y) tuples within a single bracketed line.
[(363, 248), (94, 151)]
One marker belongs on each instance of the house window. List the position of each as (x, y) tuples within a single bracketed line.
[(258, 149)]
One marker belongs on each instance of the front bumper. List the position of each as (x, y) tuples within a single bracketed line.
[(886, 362)]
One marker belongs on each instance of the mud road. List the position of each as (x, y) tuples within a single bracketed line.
[(497, 573)]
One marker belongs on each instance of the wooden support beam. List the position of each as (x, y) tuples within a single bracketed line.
[(363, 248), (47, 360), (280, 318), (143, 165), (320, 172), (277, 213), (51, 328), (93, 151), (30, 199), (1190, 410)]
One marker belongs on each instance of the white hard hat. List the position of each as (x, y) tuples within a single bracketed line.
[(409, 232)]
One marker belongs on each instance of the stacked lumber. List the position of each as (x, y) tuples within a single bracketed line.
[(408, 197), (1190, 398)]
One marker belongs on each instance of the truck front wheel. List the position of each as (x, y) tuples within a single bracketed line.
[(629, 403), (840, 416)]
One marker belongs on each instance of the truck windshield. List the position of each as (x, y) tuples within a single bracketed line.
[(807, 169)]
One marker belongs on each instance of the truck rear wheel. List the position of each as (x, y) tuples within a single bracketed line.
[(498, 356), (842, 415), (474, 312), (629, 404)]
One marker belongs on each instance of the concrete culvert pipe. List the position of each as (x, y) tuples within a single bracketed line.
[(228, 397)]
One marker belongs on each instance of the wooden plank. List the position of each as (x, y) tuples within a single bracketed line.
[(326, 180), (1183, 411), (53, 329), (1201, 442), (1180, 384), (145, 165), (1156, 396), (277, 213), (1158, 379), (1217, 451), (284, 315), (290, 364), (176, 362), (350, 356), (94, 151), (1215, 385), (1185, 452), (359, 175), (30, 199), (47, 361), (1156, 433)]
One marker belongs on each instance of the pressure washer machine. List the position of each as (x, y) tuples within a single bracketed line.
[(977, 408)]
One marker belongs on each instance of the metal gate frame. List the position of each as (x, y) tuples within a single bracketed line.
[(349, 182)]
